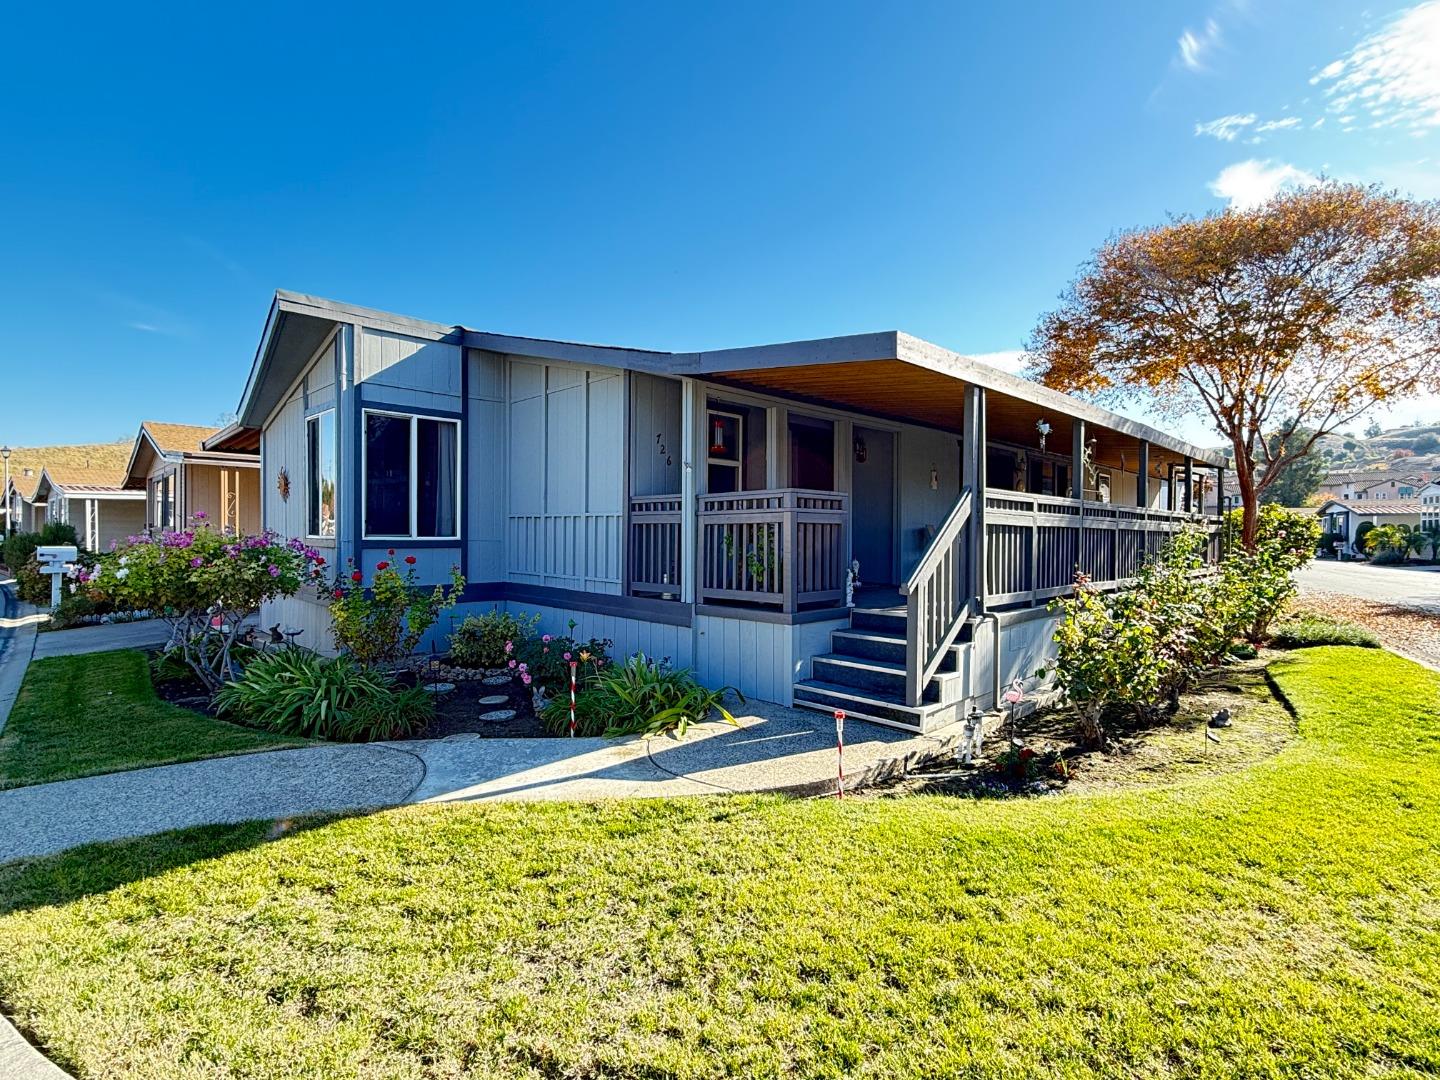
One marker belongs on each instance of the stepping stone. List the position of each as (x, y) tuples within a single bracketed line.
[(464, 736), (497, 680), (440, 687), (498, 714), (494, 699)]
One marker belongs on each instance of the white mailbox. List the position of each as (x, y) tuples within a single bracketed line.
[(55, 560)]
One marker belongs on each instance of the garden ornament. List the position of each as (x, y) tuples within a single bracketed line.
[(852, 582), (1012, 697), (970, 743), (1043, 427), (840, 753), (1221, 719), (573, 665)]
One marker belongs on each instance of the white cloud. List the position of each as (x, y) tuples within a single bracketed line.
[(1225, 128), (145, 327), (1011, 360), (1195, 46), (1278, 125), (1393, 75), (1247, 184)]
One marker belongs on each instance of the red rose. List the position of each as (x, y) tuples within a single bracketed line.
[(410, 559), (382, 565), (390, 552), (319, 560), (357, 576), (339, 593)]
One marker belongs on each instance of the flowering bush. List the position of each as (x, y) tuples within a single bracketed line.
[(488, 640), (1262, 579), (544, 662), (202, 583), (385, 622)]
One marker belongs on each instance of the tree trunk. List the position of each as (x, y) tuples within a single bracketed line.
[(1249, 497)]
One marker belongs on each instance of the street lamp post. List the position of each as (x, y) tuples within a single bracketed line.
[(9, 502)]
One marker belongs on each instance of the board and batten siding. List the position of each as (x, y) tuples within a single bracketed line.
[(486, 455), (395, 369), (566, 476), (655, 452)]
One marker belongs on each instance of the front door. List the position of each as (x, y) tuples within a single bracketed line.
[(872, 505)]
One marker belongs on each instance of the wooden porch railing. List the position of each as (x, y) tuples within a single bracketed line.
[(779, 548), (655, 545), (937, 599), (1035, 543)]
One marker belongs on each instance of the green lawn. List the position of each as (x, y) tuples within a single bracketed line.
[(98, 713), (1281, 920)]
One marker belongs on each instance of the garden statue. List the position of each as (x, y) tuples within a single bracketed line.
[(972, 737), (852, 582)]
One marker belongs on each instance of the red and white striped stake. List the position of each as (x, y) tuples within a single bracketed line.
[(840, 753), (572, 698)]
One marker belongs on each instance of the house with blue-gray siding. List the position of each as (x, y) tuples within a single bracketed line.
[(868, 522)]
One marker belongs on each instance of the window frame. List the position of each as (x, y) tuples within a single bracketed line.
[(414, 419), (312, 482)]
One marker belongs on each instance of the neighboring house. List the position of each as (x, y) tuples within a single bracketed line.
[(179, 477), (89, 493), (1344, 518), (705, 506), (28, 505), (1429, 497), (1391, 487)]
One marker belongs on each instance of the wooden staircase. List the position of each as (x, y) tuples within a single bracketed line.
[(864, 674)]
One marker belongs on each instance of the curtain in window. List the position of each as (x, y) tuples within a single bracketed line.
[(436, 510)]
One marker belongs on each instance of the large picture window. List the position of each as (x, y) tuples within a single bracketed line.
[(320, 485), (412, 476)]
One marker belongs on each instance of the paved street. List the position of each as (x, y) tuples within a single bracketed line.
[(1412, 586)]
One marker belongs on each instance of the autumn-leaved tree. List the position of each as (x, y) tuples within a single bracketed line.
[(1295, 316)]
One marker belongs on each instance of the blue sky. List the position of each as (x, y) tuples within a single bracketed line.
[(640, 175)]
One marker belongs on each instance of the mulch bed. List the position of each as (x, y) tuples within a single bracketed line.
[(1171, 748), (487, 704), (1409, 629)]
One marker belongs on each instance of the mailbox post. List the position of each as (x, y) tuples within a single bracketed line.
[(56, 560)]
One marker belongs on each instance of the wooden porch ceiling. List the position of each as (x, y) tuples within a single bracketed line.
[(906, 392)]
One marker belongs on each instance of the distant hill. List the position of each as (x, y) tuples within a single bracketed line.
[(1401, 449)]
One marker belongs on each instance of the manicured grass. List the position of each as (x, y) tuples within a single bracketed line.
[(1279, 920), (1307, 629), (98, 713)]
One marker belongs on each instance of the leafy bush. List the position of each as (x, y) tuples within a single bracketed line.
[(1262, 580), (386, 621), (1025, 763), (546, 660), (487, 641), (296, 692), (639, 697), (1306, 630), (18, 549), (32, 586), (201, 582)]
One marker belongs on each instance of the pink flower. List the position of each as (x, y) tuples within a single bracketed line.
[(274, 570), (546, 638), (512, 663), (525, 679), (509, 646), (524, 666), (200, 515), (567, 656), (197, 561)]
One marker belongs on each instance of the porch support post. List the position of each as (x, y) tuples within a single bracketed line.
[(1142, 478), (692, 424), (1189, 485), (777, 447), (1077, 455), (974, 478)]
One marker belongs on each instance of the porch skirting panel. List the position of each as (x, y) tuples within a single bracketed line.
[(1026, 645)]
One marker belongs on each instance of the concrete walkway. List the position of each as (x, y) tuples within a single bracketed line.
[(774, 749), (142, 634)]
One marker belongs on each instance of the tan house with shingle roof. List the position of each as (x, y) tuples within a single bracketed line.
[(84, 487), (179, 479), (28, 506)]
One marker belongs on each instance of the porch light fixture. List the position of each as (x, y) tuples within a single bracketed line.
[(1043, 427)]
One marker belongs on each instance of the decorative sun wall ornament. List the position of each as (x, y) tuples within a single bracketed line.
[(1043, 427), (282, 484)]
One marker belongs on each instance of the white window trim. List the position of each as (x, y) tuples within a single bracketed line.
[(312, 483), (414, 419)]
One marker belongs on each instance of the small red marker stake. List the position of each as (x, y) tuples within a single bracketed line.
[(840, 753), (572, 698)]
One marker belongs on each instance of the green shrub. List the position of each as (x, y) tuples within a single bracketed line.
[(385, 621), (1306, 630), (58, 532), (31, 584), (18, 549), (488, 640), (295, 692), (545, 660), (639, 697), (1243, 650), (1259, 582)]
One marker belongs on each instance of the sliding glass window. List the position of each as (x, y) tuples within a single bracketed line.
[(412, 477)]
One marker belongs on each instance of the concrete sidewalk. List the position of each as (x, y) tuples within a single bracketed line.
[(141, 634), (774, 749)]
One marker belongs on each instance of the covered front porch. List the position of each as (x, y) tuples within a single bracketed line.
[(955, 490)]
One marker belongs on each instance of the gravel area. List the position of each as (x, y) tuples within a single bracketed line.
[(1408, 629)]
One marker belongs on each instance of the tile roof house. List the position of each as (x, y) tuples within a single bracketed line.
[(1343, 517), (94, 462), (180, 478)]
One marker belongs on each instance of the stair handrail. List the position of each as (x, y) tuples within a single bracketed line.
[(937, 600)]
